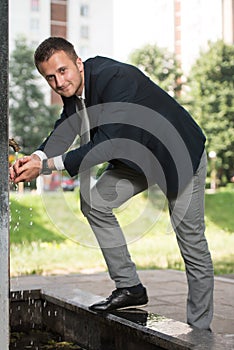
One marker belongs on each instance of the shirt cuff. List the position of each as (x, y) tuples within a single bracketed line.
[(40, 154), (58, 163)]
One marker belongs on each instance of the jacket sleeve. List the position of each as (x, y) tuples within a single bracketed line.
[(96, 151), (63, 135)]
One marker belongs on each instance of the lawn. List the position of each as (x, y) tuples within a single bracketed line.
[(49, 235)]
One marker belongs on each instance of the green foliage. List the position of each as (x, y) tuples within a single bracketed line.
[(31, 118), (212, 94), (160, 65)]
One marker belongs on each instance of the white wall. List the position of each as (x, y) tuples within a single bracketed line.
[(22, 21), (138, 22), (100, 23), (201, 22)]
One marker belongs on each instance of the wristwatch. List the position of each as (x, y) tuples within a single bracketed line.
[(45, 169)]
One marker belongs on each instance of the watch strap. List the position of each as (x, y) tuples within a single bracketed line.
[(45, 169)]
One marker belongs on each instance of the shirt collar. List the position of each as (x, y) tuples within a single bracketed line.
[(82, 94)]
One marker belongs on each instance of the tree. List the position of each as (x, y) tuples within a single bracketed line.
[(31, 118), (161, 66), (212, 95)]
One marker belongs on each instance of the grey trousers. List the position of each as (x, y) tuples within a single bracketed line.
[(119, 184)]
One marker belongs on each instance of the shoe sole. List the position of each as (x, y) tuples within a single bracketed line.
[(131, 307), (120, 308)]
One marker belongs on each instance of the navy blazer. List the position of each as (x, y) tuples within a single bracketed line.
[(133, 120)]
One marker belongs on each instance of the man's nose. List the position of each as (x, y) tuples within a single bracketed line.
[(59, 81)]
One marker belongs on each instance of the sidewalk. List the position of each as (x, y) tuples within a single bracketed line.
[(167, 290)]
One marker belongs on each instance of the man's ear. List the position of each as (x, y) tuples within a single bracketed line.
[(80, 64)]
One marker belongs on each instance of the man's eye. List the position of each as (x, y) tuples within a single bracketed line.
[(50, 78), (62, 70)]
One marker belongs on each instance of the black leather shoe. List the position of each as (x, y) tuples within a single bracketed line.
[(121, 299)]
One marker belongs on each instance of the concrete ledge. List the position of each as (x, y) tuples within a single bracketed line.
[(129, 329)]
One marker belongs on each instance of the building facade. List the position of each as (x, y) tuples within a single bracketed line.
[(115, 28)]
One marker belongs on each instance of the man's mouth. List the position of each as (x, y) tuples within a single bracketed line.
[(63, 88)]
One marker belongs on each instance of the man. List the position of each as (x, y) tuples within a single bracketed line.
[(147, 138)]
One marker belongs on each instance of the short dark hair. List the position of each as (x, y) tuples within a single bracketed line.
[(51, 45)]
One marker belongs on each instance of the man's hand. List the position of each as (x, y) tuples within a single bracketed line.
[(26, 169)]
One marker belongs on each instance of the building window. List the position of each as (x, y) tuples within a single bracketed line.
[(84, 32), (34, 24), (84, 10), (35, 5)]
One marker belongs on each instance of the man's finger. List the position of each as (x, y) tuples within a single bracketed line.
[(23, 160), (12, 173)]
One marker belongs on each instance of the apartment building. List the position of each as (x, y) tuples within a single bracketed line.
[(115, 28)]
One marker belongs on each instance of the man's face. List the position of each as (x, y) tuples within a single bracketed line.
[(63, 75)]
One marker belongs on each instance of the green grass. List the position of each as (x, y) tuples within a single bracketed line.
[(50, 236), (220, 209)]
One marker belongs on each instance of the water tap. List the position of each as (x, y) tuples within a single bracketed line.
[(14, 145)]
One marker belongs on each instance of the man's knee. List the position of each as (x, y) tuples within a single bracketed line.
[(89, 209)]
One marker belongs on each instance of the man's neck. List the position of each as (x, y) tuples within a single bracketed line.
[(82, 94)]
